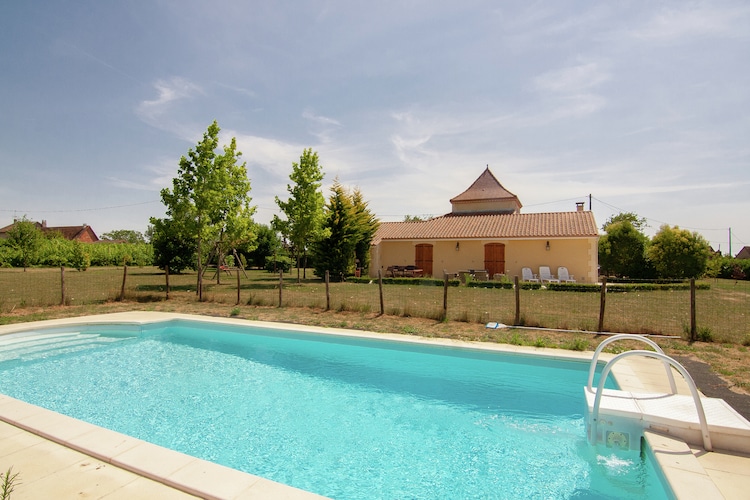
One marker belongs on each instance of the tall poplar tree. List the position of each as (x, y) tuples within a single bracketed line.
[(303, 211), (209, 198)]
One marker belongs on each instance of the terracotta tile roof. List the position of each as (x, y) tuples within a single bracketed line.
[(512, 226), (486, 187)]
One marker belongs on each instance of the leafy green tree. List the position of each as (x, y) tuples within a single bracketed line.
[(126, 235), (266, 245), (622, 251), (25, 238), (367, 225), (303, 211), (678, 253), (336, 252), (350, 227), (80, 258), (209, 198), (639, 223), (172, 246)]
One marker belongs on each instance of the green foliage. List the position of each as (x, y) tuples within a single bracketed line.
[(622, 251), (367, 225), (79, 257), (8, 483), (406, 281), (125, 236), (639, 223), (508, 285), (303, 211), (172, 247), (208, 202), (678, 253), (25, 238), (267, 244), (728, 267), (276, 263), (349, 228)]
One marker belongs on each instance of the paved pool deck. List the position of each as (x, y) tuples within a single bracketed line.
[(60, 457)]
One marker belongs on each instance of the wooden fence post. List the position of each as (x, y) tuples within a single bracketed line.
[(281, 285), (380, 287), (445, 297), (62, 285), (238, 286), (124, 278), (602, 303), (693, 326), (328, 291), (517, 288), (166, 275)]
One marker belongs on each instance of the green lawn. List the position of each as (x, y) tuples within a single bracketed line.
[(722, 310)]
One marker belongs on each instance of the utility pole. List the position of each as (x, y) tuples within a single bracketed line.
[(730, 242)]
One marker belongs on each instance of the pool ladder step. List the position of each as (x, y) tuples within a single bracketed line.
[(26, 347), (618, 418)]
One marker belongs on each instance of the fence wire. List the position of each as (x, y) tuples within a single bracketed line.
[(722, 310)]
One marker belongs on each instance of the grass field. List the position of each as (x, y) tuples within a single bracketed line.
[(721, 311)]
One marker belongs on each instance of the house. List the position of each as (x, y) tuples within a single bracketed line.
[(486, 230), (744, 253), (82, 233)]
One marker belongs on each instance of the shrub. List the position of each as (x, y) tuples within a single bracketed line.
[(276, 263)]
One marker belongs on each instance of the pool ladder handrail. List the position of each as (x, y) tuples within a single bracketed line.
[(691, 384), (628, 336)]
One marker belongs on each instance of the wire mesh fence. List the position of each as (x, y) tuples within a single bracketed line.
[(721, 306)]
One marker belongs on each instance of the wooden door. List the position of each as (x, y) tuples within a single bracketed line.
[(494, 258), (423, 258)]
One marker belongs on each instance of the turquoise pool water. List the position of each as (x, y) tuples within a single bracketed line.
[(344, 417)]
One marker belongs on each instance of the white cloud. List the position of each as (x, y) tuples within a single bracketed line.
[(169, 91), (572, 79), (693, 19)]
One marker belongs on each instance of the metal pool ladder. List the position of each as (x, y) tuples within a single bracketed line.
[(643, 408)]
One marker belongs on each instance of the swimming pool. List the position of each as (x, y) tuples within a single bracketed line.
[(341, 416)]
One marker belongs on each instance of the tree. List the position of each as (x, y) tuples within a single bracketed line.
[(173, 248), (126, 235), (25, 238), (367, 225), (267, 244), (336, 252), (303, 210), (209, 197), (622, 251), (350, 227), (678, 253), (639, 223)]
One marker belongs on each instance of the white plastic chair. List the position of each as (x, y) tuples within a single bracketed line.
[(527, 275), (546, 275), (562, 273)]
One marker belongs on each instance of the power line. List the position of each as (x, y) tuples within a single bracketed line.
[(79, 209)]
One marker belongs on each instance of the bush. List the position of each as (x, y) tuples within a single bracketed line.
[(278, 263)]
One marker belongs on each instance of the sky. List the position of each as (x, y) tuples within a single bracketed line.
[(629, 106)]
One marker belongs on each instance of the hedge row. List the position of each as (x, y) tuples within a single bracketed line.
[(558, 287)]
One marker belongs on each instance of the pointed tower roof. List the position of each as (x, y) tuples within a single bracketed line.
[(486, 195)]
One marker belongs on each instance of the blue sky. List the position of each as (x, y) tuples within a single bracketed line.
[(643, 105)]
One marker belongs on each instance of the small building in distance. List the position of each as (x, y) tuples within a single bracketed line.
[(82, 233), (486, 230)]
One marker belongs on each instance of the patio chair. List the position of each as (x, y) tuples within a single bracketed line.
[(546, 275), (527, 275), (564, 276)]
